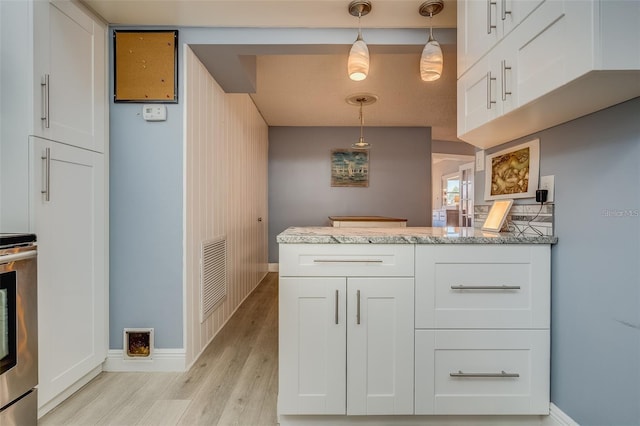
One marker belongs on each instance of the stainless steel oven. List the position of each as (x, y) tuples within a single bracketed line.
[(18, 330)]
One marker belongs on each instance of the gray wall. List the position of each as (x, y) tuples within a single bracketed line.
[(300, 192), (146, 241), (595, 317), (145, 214)]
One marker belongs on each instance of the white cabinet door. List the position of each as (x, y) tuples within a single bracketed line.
[(380, 346), (540, 52), (312, 346), (477, 93), (478, 31), (70, 84), (483, 23), (69, 220)]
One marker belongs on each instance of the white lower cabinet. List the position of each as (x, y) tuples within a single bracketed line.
[(68, 215), (346, 343), (346, 346), (482, 329), (433, 329)]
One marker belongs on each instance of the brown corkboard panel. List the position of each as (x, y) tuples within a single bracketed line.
[(146, 66)]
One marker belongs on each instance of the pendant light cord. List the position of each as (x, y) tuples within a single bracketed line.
[(361, 122), (359, 26), (430, 27)]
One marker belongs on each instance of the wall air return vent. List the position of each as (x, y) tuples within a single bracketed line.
[(213, 276)]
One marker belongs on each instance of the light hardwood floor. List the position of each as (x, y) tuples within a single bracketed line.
[(234, 382)]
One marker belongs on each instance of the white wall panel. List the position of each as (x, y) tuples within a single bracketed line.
[(225, 191)]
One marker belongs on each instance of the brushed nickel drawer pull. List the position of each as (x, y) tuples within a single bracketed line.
[(500, 375), (485, 287), (505, 12), (490, 25), (47, 174), (489, 86), (504, 80), (347, 261), (44, 84)]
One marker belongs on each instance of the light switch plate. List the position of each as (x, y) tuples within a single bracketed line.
[(547, 182), (480, 160), (154, 112)]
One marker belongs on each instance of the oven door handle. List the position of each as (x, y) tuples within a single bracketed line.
[(17, 256)]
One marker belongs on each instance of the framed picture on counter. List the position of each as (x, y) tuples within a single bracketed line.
[(350, 167), (513, 172)]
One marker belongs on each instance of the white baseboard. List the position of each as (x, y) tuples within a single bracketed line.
[(557, 417), (58, 399), (273, 267), (164, 360)]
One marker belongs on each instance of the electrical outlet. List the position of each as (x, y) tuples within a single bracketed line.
[(547, 182)]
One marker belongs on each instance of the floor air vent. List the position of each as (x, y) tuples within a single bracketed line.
[(213, 277)]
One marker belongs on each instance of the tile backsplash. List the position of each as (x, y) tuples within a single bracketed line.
[(525, 219)]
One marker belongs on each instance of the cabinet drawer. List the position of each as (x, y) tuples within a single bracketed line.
[(482, 372), (482, 286), (346, 260)]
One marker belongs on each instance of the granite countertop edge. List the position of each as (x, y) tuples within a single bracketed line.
[(329, 235)]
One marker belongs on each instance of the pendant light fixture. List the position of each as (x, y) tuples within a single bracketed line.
[(358, 64), (361, 100), (431, 59)]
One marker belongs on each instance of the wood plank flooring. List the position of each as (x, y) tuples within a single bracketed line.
[(234, 382)]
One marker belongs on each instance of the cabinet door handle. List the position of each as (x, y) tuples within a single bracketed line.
[(358, 307), (485, 287), (504, 80), (489, 80), (47, 174), (337, 295), (500, 375), (347, 261), (44, 85), (505, 12), (490, 26)]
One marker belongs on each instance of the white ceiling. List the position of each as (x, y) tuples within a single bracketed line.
[(299, 89)]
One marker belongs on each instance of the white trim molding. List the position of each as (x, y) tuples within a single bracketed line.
[(164, 360), (273, 267), (557, 417)]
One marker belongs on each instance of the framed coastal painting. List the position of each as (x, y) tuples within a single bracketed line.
[(350, 167), (513, 172)]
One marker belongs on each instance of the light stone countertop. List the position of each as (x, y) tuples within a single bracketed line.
[(409, 235)]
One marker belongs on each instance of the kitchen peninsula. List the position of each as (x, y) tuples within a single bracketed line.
[(412, 322)]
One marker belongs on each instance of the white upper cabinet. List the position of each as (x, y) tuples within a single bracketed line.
[(550, 61), (482, 23), (69, 75)]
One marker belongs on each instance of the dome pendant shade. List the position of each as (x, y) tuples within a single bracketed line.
[(358, 64), (431, 61), (361, 144)]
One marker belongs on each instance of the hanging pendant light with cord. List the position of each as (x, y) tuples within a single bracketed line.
[(431, 59), (361, 100), (358, 64)]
